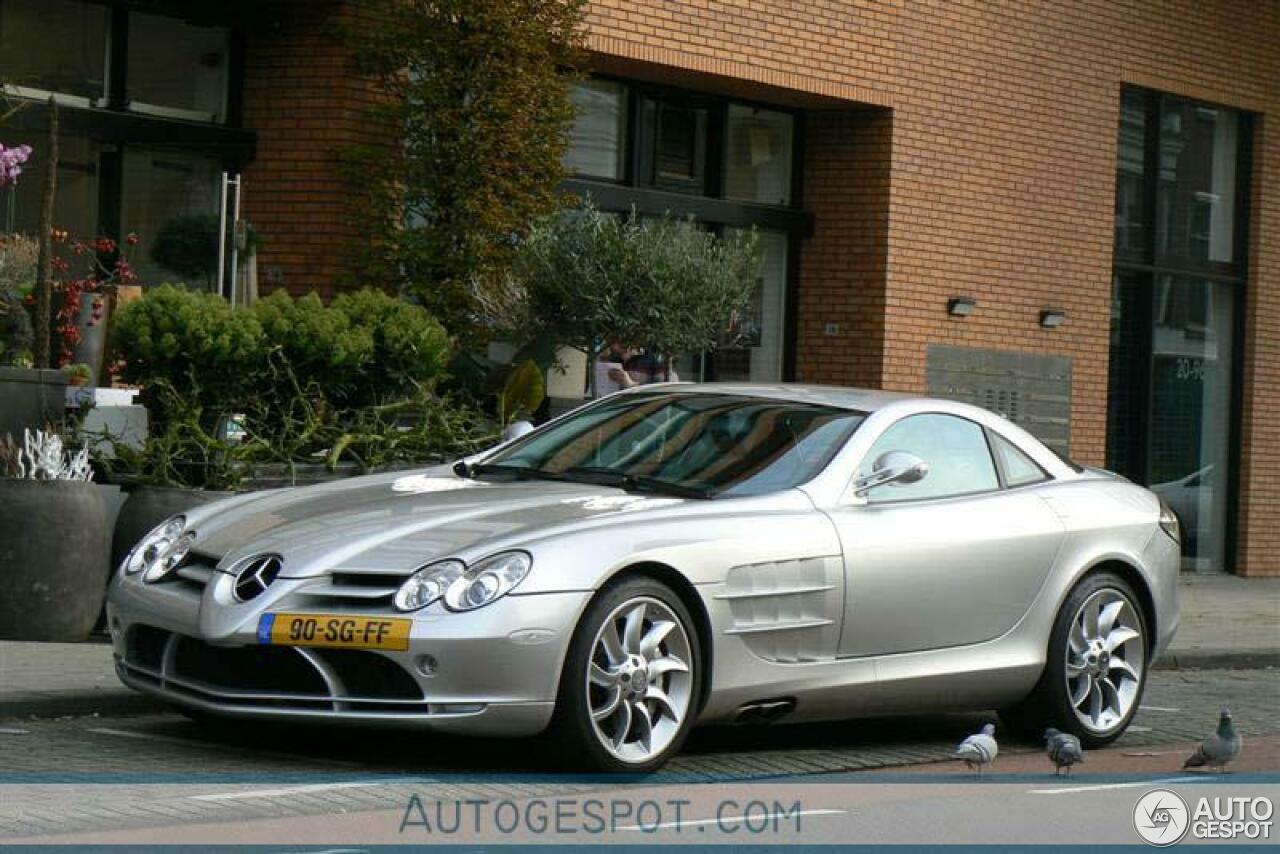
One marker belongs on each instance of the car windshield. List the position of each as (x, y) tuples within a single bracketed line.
[(691, 444)]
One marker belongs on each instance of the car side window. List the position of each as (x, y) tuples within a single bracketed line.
[(954, 448), (1019, 469)]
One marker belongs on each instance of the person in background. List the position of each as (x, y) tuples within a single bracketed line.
[(611, 375), (647, 367)]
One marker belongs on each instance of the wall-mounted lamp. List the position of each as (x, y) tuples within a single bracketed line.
[(1052, 318), (961, 306)]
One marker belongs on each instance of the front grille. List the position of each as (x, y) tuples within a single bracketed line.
[(361, 589), (280, 677)]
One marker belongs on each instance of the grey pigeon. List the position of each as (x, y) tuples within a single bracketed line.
[(1219, 748), (979, 750), (1064, 750)]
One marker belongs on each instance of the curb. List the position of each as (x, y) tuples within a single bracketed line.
[(1218, 659), (76, 705)]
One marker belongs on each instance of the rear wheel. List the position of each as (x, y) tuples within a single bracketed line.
[(630, 687), (1097, 665)]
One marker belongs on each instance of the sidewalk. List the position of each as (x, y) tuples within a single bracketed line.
[(1227, 622)]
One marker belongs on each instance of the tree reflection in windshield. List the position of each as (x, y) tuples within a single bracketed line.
[(695, 444)]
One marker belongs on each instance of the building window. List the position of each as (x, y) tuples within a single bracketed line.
[(596, 145), (1174, 357), (758, 155), (177, 69), (1196, 199), (172, 197), (674, 144), (75, 207), (54, 46)]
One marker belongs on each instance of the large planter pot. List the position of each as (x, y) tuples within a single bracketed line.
[(30, 398), (148, 506), (53, 543)]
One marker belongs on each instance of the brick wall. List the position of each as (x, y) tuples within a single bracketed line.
[(843, 264), (1002, 166), (306, 106)]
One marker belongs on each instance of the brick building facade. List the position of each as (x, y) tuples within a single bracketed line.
[(900, 154)]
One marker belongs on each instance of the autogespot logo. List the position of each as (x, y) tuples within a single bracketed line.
[(1161, 817)]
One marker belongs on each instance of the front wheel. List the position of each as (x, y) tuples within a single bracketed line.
[(630, 687), (1097, 665)]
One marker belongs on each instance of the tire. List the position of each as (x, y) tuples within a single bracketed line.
[(646, 688), (1078, 662)]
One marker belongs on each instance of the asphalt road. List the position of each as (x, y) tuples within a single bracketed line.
[(161, 778)]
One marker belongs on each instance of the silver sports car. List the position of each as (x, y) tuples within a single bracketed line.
[(665, 556)]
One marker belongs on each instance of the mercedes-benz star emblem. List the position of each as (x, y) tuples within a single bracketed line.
[(255, 576)]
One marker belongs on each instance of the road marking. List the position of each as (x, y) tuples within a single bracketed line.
[(1103, 786), (1136, 728), (290, 790), (6, 730), (214, 745), (729, 819), (1157, 709)]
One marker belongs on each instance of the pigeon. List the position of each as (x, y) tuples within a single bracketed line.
[(1064, 750), (1219, 748), (979, 750)]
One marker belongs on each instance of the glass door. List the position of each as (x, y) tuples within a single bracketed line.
[(1191, 378)]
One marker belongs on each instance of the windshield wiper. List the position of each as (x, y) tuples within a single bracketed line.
[(517, 472), (641, 482)]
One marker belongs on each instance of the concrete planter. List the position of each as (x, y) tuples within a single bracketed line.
[(148, 506), (30, 398), (54, 542)]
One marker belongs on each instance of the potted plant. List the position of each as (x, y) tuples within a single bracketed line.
[(53, 540)]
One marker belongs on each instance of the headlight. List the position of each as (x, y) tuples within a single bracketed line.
[(487, 581), (427, 585), (160, 551), (463, 588), (1169, 522)]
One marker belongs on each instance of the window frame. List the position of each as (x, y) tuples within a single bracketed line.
[(631, 192)]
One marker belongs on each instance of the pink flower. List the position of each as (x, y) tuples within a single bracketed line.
[(11, 160)]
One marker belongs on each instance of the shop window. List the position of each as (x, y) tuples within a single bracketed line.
[(177, 69), (54, 46)]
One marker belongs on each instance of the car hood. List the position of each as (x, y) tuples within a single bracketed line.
[(402, 520)]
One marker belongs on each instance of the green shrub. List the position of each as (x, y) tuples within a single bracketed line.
[(194, 342), (321, 345), (411, 348)]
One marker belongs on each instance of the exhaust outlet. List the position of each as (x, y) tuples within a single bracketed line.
[(764, 711)]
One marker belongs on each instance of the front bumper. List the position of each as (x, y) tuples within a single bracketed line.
[(494, 671)]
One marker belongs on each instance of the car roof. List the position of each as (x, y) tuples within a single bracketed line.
[(860, 399)]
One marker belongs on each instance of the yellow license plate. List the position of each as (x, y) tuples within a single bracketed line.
[(334, 630)]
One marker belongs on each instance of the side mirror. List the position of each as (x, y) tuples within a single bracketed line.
[(515, 430), (892, 467)]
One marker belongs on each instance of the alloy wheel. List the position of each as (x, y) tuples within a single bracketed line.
[(1106, 655), (640, 679)]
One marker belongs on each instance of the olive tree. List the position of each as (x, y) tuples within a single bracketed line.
[(583, 277)]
